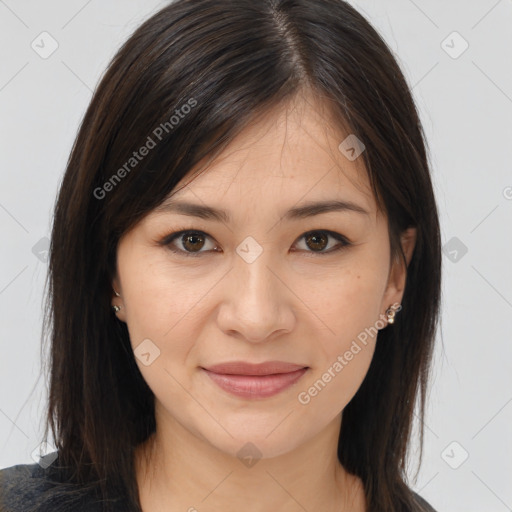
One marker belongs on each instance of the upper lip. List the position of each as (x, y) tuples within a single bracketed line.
[(244, 368)]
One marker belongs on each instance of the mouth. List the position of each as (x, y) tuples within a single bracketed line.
[(248, 380)]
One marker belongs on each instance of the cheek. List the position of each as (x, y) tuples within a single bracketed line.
[(349, 308), (346, 301), (161, 299), (336, 380)]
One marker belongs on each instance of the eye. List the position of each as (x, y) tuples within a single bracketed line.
[(318, 240), (191, 242)]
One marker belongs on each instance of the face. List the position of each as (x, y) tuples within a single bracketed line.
[(268, 281)]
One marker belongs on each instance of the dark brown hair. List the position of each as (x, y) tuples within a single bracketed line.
[(230, 61)]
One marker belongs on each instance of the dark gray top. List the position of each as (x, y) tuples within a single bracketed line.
[(32, 488)]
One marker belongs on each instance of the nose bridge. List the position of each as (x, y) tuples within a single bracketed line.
[(257, 284), (255, 276)]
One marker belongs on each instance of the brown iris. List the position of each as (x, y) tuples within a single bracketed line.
[(318, 241), (193, 242)]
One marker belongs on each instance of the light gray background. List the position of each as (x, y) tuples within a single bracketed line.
[(466, 107)]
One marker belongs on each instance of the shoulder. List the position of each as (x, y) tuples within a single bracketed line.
[(422, 504), (36, 488), (21, 486)]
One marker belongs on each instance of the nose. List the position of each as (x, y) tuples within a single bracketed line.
[(256, 303)]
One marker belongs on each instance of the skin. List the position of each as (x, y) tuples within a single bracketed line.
[(290, 304)]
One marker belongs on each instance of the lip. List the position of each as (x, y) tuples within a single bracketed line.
[(244, 368), (248, 380)]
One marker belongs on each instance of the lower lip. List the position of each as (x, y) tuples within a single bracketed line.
[(252, 386)]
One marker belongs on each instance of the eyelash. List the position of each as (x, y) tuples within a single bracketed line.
[(167, 241)]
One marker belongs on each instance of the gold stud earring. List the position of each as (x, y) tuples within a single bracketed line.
[(390, 313), (116, 308)]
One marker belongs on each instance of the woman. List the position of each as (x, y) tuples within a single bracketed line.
[(245, 272)]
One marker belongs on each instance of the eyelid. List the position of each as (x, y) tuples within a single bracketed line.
[(168, 239)]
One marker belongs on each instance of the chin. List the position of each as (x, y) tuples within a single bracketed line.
[(263, 442), (250, 449)]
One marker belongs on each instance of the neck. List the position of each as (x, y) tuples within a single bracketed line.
[(178, 471)]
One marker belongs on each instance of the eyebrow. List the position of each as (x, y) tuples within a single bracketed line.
[(309, 209)]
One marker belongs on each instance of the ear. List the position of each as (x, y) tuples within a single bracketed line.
[(117, 300), (398, 271)]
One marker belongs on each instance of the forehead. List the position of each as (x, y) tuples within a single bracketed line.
[(288, 155)]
